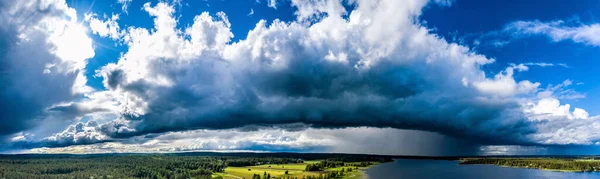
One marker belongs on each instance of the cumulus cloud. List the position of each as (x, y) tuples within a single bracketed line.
[(329, 69), (108, 28), (558, 124), (504, 85), (80, 133), (44, 52), (366, 70)]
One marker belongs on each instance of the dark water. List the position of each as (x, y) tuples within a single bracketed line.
[(408, 168)]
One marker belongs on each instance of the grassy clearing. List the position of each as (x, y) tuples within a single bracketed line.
[(224, 176), (294, 170)]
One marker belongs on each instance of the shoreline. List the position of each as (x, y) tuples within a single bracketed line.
[(545, 164), (545, 169), (364, 174), (363, 171)]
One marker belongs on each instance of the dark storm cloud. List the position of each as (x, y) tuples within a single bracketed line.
[(322, 83)]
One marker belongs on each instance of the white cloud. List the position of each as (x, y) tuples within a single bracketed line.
[(561, 91), (124, 4), (80, 133), (272, 3), (561, 125), (504, 85), (251, 12), (315, 9), (550, 107), (109, 28), (513, 150), (47, 50), (558, 31), (542, 64)]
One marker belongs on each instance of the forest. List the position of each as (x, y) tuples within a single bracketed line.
[(557, 164), (183, 165)]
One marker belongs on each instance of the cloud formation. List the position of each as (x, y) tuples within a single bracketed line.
[(44, 52), (558, 31), (364, 70), (348, 140), (331, 68)]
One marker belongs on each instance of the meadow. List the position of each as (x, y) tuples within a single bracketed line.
[(294, 170)]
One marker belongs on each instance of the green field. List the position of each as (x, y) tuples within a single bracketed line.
[(278, 171)]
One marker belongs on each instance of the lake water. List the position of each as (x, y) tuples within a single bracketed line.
[(409, 168)]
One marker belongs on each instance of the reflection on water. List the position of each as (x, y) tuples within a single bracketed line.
[(410, 168)]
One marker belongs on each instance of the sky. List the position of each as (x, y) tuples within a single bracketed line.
[(395, 77)]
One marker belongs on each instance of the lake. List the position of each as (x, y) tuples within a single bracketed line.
[(410, 168)]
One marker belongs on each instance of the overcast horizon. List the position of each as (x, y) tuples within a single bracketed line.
[(390, 77)]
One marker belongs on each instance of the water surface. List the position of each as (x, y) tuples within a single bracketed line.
[(410, 168)]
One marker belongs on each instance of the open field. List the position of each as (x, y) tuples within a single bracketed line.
[(294, 170)]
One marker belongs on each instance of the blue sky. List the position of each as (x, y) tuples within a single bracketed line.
[(468, 17), (419, 77)]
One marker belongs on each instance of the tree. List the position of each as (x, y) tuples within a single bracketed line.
[(255, 176)]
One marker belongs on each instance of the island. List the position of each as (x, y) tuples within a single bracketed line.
[(562, 164)]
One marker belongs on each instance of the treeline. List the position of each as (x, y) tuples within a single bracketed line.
[(250, 161), (333, 164), (540, 163), (111, 167), (323, 165), (303, 156), (361, 164)]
